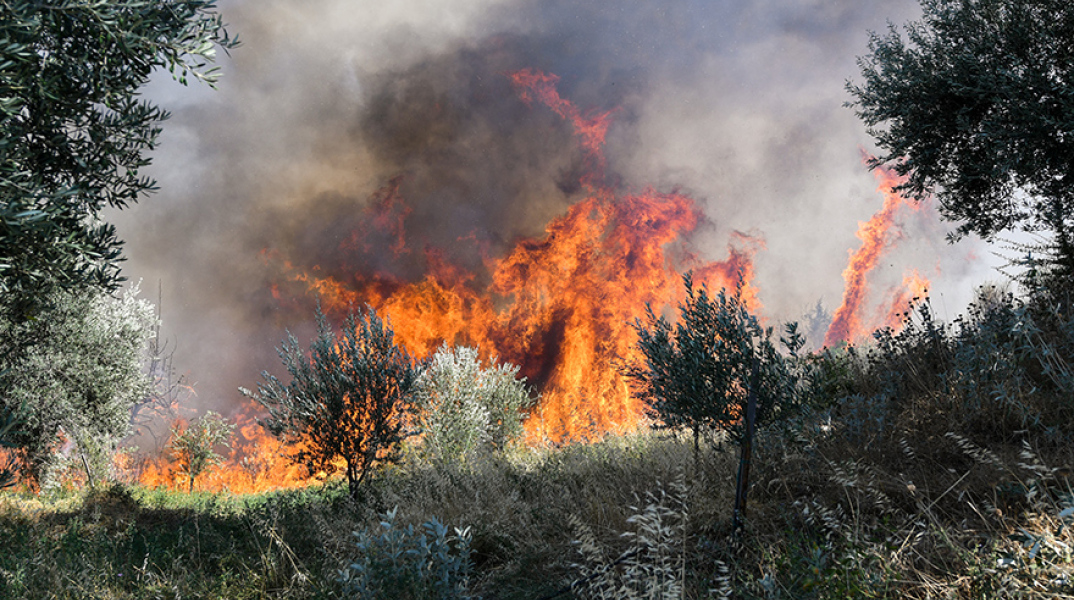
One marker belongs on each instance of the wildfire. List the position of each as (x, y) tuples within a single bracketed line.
[(914, 289), (559, 305), (876, 236), (255, 462)]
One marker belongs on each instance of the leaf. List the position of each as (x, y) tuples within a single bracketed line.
[(1006, 563)]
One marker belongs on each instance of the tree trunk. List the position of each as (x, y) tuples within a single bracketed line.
[(85, 464), (743, 486), (353, 480), (697, 449), (1063, 244)]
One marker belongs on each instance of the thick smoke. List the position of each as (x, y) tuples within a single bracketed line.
[(329, 103)]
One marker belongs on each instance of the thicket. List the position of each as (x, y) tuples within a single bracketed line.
[(932, 463), (1003, 370)]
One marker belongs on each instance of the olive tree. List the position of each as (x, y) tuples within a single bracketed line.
[(976, 106), (74, 131), (348, 399), (80, 380), (194, 445), (697, 373)]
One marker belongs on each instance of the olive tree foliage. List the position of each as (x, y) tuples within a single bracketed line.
[(463, 406), (74, 131), (976, 105), (348, 400), (696, 374), (80, 380), (151, 417), (194, 445)]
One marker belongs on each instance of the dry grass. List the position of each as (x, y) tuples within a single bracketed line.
[(911, 518), (936, 466)]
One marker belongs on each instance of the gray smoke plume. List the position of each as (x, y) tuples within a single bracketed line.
[(331, 104)]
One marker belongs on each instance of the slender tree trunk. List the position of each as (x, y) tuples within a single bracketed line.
[(353, 480), (85, 464), (743, 486), (1063, 243), (697, 449)]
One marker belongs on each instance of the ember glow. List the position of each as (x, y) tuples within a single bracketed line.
[(876, 235)]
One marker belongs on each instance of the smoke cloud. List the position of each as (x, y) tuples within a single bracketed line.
[(330, 105)]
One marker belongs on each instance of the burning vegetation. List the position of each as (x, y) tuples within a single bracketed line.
[(558, 305), (494, 393)]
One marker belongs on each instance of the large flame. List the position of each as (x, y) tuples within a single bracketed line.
[(560, 305), (876, 236)]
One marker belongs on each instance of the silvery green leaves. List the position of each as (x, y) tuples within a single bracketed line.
[(463, 405), (427, 562), (79, 378)]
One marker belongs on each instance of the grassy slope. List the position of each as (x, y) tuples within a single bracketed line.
[(827, 520), (936, 466)]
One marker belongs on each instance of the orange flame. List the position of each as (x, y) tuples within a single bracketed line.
[(591, 129), (566, 302), (559, 305), (914, 289), (875, 236), (255, 462)]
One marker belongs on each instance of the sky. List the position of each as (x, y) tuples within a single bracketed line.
[(738, 104)]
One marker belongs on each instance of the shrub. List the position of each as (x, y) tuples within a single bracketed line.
[(697, 374), (653, 567), (193, 446), (463, 406), (1003, 367), (79, 379), (425, 563)]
